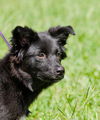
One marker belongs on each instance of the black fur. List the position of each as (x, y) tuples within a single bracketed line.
[(33, 64)]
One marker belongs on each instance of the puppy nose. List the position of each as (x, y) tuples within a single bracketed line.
[(60, 71)]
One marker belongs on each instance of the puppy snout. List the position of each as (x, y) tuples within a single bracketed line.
[(60, 70)]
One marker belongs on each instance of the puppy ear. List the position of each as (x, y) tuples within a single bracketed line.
[(61, 33), (23, 36)]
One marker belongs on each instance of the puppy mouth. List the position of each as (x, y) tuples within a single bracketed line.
[(59, 77), (50, 78)]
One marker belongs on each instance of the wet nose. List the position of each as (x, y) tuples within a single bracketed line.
[(60, 70)]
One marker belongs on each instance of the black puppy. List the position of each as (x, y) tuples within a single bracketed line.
[(33, 64)]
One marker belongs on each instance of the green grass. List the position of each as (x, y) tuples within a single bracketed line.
[(77, 96)]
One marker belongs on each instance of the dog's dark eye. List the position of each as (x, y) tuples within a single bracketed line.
[(41, 55), (58, 54)]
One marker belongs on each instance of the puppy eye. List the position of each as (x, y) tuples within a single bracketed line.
[(41, 55), (58, 54)]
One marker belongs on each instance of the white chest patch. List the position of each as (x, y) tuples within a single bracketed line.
[(23, 117)]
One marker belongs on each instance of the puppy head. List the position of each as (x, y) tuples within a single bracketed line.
[(40, 54)]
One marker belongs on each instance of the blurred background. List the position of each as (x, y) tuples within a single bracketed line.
[(77, 96)]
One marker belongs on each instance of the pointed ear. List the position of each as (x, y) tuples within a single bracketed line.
[(23, 36), (61, 33)]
